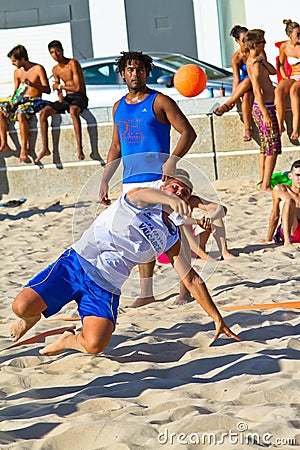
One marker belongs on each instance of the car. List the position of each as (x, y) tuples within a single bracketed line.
[(105, 85)]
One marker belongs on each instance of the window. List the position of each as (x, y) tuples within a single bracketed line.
[(103, 74)]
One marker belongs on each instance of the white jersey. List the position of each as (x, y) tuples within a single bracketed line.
[(121, 237)]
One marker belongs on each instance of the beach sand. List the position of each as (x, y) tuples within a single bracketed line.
[(160, 383)]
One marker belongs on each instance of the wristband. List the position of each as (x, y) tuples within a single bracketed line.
[(59, 87)]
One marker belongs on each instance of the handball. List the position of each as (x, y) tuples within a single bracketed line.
[(190, 80)]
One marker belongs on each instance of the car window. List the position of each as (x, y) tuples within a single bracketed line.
[(212, 72), (102, 74), (156, 73)]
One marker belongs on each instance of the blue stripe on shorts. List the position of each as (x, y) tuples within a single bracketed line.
[(65, 280)]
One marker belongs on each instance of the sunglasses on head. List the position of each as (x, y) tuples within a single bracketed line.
[(261, 42)]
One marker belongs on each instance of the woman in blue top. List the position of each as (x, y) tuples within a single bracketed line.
[(241, 86)]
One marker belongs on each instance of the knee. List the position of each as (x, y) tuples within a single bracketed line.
[(19, 305), (74, 112), (22, 118), (94, 346), (44, 113)]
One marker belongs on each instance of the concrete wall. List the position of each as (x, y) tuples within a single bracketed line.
[(219, 152)]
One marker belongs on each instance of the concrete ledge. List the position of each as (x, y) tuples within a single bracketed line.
[(219, 151)]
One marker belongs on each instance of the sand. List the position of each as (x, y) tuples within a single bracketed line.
[(160, 383)]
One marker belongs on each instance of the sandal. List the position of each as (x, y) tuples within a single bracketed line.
[(247, 138), (220, 110)]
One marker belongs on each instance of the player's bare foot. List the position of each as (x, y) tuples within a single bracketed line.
[(21, 326), (183, 300), (5, 148), (42, 154), (142, 301), (64, 342)]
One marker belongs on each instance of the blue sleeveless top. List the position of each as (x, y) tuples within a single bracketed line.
[(145, 142), (243, 72)]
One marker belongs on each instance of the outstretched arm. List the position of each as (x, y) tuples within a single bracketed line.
[(143, 197), (198, 289)]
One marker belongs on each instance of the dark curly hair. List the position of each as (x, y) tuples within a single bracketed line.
[(134, 56)]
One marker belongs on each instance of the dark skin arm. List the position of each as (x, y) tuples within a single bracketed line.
[(112, 163), (167, 111)]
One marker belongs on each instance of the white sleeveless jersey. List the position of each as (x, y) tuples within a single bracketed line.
[(121, 237)]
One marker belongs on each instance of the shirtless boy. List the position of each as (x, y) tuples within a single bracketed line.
[(263, 112), (288, 199), (34, 75), (68, 71)]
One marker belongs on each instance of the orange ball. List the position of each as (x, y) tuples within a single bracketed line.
[(190, 80)]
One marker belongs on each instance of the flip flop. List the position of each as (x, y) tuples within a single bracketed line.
[(247, 138), (219, 113)]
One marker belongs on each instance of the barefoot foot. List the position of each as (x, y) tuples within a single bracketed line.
[(64, 342), (42, 154), (281, 128), (227, 255), (264, 189), (183, 300), (142, 301), (21, 326), (24, 156), (4, 148), (80, 155), (294, 135)]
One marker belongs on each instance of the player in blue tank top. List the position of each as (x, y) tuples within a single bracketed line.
[(141, 139)]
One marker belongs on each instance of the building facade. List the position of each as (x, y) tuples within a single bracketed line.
[(93, 28)]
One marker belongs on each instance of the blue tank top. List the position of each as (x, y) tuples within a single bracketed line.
[(145, 142), (243, 72)]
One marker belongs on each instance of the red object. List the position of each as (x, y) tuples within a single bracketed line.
[(190, 80), (287, 67)]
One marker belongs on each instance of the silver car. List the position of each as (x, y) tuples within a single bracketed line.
[(105, 85)]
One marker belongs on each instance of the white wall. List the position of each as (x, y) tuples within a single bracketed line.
[(268, 15), (108, 24), (35, 40), (207, 31)]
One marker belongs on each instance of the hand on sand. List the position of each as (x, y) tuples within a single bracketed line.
[(222, 328)]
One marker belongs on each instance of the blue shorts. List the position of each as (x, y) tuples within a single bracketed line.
[(65, 280)]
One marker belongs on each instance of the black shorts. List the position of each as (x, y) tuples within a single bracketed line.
[(76, 99)]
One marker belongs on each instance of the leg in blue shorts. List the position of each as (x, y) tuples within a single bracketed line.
[(54, 287)]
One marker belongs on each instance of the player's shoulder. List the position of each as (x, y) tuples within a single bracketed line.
[(280, 189)]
